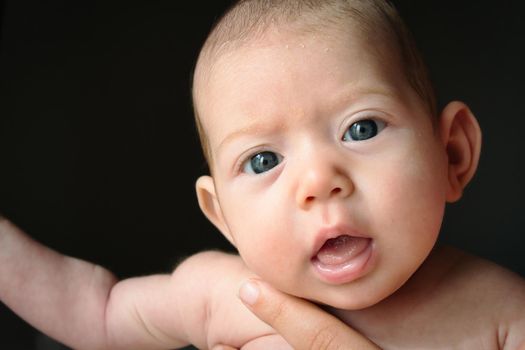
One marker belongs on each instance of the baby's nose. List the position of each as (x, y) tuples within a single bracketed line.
[(322, 182)]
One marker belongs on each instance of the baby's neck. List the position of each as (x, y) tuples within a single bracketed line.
[(411, 308)]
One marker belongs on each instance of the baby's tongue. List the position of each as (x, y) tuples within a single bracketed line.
[(341, 249)]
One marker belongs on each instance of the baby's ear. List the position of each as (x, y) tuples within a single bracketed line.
[(210, 206), (461, 135)]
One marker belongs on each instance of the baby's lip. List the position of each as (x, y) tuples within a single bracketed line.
[(342, 254), (345, 263)]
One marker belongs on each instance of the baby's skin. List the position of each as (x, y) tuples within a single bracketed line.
[(455, 300), (330, 175)]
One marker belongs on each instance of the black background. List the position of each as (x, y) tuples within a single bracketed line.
[(98, 152)]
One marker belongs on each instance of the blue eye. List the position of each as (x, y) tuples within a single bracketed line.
[(363, 130), (262, 162)]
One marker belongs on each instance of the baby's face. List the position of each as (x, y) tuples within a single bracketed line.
[(330, 177)]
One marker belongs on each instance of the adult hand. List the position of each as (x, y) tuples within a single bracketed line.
[(303, 324)]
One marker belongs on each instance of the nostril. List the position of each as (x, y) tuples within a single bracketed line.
[(309, 199), (336, 190)]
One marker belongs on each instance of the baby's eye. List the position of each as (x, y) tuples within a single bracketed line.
[(261, 162), (363, 130)]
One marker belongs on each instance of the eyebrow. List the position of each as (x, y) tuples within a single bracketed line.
[(263, 128), (256, 128)]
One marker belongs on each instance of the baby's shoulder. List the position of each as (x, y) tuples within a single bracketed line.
[(479, 279), (483, 290), (456, 300)]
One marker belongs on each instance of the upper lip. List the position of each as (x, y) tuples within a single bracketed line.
[(334, 231)]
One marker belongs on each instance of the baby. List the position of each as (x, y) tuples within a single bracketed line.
[(330, 171)]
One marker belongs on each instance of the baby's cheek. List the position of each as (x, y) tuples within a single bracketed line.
[(409, 204), (262, 240)]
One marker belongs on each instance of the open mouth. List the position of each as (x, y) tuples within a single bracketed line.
[(343, 258)]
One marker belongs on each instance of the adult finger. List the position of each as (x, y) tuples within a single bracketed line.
[(303, 324)]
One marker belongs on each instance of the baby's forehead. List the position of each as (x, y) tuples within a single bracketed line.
[(252, 23), (283, 38), (278, 48), (286, 75)]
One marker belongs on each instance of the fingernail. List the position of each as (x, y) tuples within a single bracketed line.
[(249, 292)]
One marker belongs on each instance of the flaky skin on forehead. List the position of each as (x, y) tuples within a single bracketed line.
[(376, 20)]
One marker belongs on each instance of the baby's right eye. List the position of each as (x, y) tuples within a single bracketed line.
[(261, 162)]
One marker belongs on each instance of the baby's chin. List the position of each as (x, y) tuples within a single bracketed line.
[(345, 302), (352, 296)]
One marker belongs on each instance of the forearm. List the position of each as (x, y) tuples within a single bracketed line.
[(82, 304), (59, 295)]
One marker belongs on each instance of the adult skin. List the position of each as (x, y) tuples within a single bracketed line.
[(303, 324)]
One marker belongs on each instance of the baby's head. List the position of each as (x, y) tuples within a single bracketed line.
[(374, 23), (330, 165)]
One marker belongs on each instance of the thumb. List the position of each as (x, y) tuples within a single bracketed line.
[(303, 324)]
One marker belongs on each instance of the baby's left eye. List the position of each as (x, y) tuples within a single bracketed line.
[(363, 130)]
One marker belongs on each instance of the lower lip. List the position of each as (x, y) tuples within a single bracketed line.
[(349, 270)]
